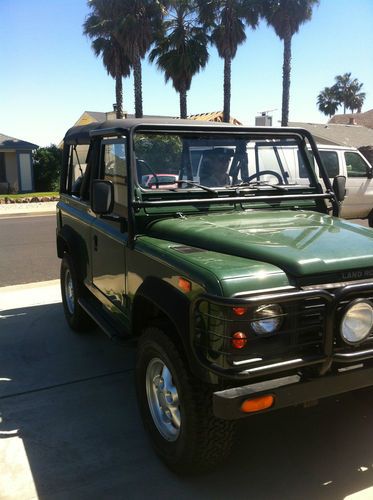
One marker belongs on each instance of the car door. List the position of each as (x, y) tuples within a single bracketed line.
[(359, 187), (108, 232)]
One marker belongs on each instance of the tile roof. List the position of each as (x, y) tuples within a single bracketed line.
[(215, 116), (97, 115), (7, 142), (339, 134), (364, 119)]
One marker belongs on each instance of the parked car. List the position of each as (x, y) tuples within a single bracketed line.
[(154, 181), (242, 298)]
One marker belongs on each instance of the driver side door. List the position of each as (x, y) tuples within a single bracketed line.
[(109, 234)]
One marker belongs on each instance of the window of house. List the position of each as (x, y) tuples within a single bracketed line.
[(2, 168), (356, 165)]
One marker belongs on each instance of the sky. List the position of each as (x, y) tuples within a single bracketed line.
[(50, 75)]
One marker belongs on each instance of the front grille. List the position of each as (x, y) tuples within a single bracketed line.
[(309, 332), (310, 323), (301, 333)]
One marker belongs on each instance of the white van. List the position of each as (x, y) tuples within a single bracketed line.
[(340, 160), (337, 160), (286, 162)]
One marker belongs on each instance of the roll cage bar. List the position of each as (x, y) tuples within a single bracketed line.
[(129, 127)]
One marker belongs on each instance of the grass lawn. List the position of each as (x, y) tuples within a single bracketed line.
[(27, 195)]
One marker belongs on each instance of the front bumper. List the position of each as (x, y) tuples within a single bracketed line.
[(289, 391)]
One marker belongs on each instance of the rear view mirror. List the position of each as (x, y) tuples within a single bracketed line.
[(339, 187), (102, 197)]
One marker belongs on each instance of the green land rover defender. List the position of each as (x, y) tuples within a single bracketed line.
[(227, 267)]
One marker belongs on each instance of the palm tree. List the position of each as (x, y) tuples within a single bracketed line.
[(286, 17), (225, 19), (102, 27), (356, 101), (327, 101), (348, 92), (345, 91), (181, 50), (142, 19)]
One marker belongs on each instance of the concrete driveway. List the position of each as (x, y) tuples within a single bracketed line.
[(70, 429)]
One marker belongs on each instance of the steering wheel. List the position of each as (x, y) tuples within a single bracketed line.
[(265, 172)]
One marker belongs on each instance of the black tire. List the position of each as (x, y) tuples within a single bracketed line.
[(76, 317), (202, 440)]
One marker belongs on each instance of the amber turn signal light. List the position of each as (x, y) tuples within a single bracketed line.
[(184, 285), (257, 404)]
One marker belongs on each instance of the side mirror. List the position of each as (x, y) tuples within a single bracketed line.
[(339, 187), (370, 172), (102, 200)]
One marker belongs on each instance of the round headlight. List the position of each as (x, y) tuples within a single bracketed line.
[(267, 318), (357, 322)]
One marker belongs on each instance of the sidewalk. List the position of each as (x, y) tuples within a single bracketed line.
[(10, 209), (29, 295)]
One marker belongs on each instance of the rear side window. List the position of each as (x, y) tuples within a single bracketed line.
[(331, 163), (303, 171), (355, 164), (329, 159)]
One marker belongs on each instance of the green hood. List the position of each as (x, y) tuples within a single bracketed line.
[(301, 243)]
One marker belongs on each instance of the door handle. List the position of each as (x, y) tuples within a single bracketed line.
[(95, 243)]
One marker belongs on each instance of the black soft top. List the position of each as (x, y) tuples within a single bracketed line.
[(82, 134)]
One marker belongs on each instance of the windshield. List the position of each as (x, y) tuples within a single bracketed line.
[(170, 162)]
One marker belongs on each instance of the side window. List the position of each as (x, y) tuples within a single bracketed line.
[(355, 164), (331, 163), (114, 169), (76, 169), (303, 170)]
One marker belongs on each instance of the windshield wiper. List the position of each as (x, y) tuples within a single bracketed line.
[(196, 184), (254, 184)]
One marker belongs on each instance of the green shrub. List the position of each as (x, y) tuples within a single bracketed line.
[(47, 167)]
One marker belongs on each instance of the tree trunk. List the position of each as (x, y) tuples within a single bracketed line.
[(137, 87), (183, 101), (227, 89), (286, 68), (118, 91)]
